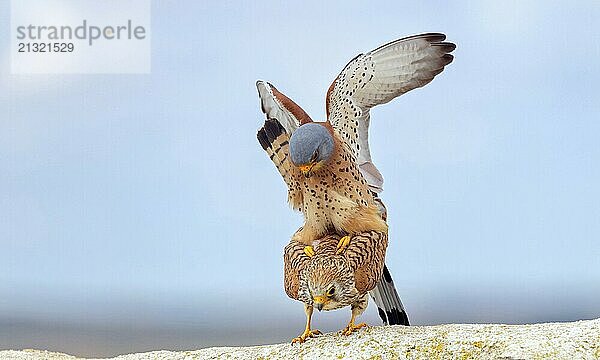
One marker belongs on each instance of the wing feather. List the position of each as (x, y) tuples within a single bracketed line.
[(378, 77), (294, 262), (366, 256), (276, 105), (275, 141), (283, 118)]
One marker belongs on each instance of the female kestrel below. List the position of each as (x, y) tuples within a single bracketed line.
[(327, 165)]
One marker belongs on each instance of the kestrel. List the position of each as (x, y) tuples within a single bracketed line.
[(331, 280), (327, 165)]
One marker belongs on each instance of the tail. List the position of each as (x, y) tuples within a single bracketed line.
[(388, 302)]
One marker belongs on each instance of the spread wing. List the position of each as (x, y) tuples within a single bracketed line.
[(281, 108), (376, 78), (283, 118)]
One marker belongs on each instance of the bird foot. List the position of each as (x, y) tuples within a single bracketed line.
[(342, 244), (305, 335), (309, 251), (352, 328)]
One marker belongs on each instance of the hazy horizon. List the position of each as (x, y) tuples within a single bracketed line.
[(108, 328)]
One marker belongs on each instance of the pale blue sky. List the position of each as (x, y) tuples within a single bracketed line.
[(146, 198)]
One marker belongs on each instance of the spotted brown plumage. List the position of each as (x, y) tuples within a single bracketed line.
[(327, 166), (337, 198)]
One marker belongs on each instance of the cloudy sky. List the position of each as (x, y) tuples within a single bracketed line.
[(143, 206)]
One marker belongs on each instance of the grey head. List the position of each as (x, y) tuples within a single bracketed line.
[(311, 146)]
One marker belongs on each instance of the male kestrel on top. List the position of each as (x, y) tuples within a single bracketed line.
[(331, 178)]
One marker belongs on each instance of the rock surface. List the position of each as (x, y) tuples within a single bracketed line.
[(576, 340)]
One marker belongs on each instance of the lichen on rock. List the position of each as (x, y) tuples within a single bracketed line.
[(575, 340)]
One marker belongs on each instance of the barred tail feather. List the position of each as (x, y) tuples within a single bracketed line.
[(388, 302)]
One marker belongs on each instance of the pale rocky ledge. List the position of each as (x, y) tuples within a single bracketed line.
[(576, 340)]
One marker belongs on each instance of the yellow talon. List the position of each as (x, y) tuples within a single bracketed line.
[(342, 244), (305, 335), (309, 251), (308, 333), (352, 328)]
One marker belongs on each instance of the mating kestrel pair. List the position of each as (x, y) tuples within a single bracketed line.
[(337, 257)]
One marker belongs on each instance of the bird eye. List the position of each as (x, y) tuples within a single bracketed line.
[(315, 156), (330, 292)]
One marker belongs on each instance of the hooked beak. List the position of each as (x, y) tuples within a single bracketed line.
[(306, 169), (319, 302)]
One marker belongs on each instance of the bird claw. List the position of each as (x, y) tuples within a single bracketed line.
[(342, 244), (348, 330), (305, 335), (309, 251)]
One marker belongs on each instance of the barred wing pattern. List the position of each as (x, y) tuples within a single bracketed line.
[(275, 141), (376, 78), (283, 118), (294, 262), (365, 255)]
